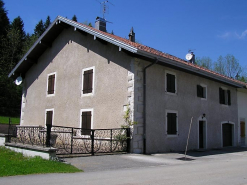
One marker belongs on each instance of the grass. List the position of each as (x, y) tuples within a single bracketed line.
[(5, 120), (13, 163)]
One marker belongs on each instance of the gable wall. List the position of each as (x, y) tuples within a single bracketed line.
[(70, 53), (242, 111), (187, 105)]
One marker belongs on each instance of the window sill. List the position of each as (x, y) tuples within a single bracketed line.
[(50, 95), (170, 93), (225, 105), (172, 135), (88, 94)]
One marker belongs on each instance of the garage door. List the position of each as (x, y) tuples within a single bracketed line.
[(227, 134)]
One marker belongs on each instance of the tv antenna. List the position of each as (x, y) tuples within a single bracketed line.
[(104, 7)]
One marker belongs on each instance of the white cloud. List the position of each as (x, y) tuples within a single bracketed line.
[(234, 35)]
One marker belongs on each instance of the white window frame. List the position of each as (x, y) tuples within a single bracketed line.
[(86, 69), (176, 89), (86, 110), (49, 95), (171, 111), (46, 110)]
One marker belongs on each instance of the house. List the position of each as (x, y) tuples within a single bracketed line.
[(242, 116), (79, 76)]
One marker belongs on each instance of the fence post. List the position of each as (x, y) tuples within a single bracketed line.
[(48, 135), (9, 132), (92, 140), (128, 139), (71, 149)]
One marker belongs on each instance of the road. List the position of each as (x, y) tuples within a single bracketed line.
[(224, 168)]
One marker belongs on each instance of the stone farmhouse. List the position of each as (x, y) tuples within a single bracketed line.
[(78, 76)]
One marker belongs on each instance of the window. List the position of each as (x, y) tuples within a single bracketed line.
[(171, 82), (86, 122), (49, 117), (225, 96), (171, 123), (51, 82), (202, 91), (88, 81)]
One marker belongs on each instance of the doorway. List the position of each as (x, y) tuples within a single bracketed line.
[(242, 133), (202, 135), (227, 133)]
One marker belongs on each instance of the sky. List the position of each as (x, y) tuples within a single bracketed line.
[(208, 27)]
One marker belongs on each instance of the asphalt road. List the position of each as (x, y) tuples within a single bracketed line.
[(218, 167)]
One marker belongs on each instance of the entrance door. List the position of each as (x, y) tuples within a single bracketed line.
[(202, 134), (242, 133), (227, 134)]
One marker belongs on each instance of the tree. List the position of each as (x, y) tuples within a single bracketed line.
[(39, 28), (47, 22), (205, 62), (232, 66), (220, 66), (74, 18), (4, 20)]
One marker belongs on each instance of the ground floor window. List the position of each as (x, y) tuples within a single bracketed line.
[(171, 122), (86, 121), (49, 116)]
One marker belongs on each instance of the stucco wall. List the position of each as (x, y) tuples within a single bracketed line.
[(242, 110), (187, 105), (70, 53)]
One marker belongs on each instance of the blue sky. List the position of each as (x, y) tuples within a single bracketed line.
[(209, 27)]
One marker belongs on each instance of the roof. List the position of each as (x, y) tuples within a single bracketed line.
[(60, 23)]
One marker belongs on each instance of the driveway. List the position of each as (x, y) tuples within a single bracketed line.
[(125, 161)]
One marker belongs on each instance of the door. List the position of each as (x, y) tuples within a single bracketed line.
[(227, 134), (242, 133), (201, 134)]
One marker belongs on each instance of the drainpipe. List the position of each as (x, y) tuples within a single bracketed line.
[(144, 104)]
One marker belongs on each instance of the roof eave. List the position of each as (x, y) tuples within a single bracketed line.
[(188, 68)]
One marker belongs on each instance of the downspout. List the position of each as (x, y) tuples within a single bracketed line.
[(144, 104)]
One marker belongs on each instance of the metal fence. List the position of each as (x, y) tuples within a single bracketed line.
[(69, 140)]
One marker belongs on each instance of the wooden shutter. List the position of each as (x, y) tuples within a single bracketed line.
[(51, 84), (171, 123), (200, 91), (49, 116), (170, 80), (222, 96), (88, 81), (86, 122), (229, 97)]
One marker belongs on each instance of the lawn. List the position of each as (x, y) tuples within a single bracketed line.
[(13, 163), (5, 120)]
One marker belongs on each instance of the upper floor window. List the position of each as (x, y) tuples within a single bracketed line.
[(202, 91), (171, 86), (225, 96), (88, 81), (51, 84), (171, 123)]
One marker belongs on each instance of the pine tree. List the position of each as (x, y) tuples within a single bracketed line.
[(39, 28), (74, 18), (47, 22), (4, 20)]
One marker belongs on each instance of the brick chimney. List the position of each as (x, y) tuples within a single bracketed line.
[(100, 24), (132, 35)]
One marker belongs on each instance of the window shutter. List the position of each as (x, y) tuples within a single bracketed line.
[(199, 91), (49, 115), (221, 95), (86, 122), (51, 84), (170, 80), (88, 81), (171, 123), (229, 97)]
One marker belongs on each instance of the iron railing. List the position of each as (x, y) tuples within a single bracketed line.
[(69, 140)]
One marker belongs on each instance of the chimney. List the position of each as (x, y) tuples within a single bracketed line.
[(132, 35), (100, 24), (193, 58)]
